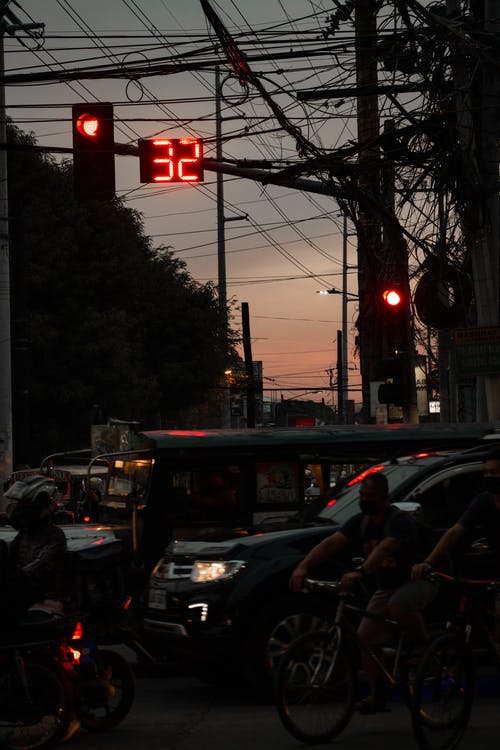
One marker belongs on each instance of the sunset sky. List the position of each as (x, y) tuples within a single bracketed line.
[(282, 245)]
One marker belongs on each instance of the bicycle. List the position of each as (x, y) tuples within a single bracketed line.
[(316, 681), (445, 680)]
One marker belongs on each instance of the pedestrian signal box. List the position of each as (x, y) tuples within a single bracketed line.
[(164, 160)]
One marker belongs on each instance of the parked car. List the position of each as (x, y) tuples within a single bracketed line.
[(228, 602)]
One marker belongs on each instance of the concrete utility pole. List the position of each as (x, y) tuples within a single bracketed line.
[(368, 226), (221, 248), (9, 23), (477, 109), (5, 353), (485, 256)]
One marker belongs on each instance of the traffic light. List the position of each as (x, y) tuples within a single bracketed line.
[(396, 389), (396, 320), (93, 151), (164, 160), (396, 364)]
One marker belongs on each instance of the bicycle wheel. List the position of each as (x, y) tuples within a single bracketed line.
[(443, 693), (98, 712), (40, 721), (315, 687)]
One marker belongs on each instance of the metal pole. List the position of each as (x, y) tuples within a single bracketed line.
[(340, 385), (345, 383), (5, 334), (221, 248)]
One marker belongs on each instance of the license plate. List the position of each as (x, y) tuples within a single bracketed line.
[(157, 599)]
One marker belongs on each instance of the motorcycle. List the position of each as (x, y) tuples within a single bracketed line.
[(35, 695), (103, 682)]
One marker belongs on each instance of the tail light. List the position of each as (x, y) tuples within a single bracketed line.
[(77, 632)]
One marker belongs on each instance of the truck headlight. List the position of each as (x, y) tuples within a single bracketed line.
[(205, 570), (161, 569)]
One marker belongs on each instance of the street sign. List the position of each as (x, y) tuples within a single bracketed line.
[(476, 350)]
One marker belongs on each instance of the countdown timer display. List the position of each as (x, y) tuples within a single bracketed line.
[(164, 160)]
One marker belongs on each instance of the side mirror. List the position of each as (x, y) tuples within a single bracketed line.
[(410, 506)]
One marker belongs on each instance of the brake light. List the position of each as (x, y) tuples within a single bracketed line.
[(77, 632), (365, 473)]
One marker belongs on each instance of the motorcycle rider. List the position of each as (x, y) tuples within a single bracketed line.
[(34, 576)]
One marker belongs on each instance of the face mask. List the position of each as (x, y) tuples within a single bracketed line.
[(368, 507), (492, 484)]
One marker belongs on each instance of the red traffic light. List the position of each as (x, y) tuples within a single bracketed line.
[(88, 125), (93, 151), (392, 297)]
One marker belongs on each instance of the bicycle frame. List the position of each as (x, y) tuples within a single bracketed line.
[(473, 616), (341, 623)]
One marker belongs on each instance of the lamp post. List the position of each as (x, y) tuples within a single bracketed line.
[(343, 377)]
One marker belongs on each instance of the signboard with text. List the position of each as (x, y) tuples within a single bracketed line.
[(476, 350)]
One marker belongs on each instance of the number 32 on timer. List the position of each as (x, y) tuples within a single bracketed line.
[(171, 160)]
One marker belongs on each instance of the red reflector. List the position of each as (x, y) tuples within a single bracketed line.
[(77, 632), (360, 477), (331, 502)]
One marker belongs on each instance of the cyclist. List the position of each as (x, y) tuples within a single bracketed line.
[(482, 513), (388, 540)]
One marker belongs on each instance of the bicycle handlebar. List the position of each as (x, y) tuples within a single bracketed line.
[(314, 583), (491, 585)]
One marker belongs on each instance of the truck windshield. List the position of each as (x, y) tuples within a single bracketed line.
[(346, 504)]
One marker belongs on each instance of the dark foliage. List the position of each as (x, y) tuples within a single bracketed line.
[(99, 316)]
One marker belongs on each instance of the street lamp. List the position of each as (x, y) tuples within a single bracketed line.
[(342, 350)]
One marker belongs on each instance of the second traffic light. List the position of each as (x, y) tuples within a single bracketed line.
[(394, 304), (93, 151)]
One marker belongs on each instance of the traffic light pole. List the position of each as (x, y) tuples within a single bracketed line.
[(5, 331), (8, 22)]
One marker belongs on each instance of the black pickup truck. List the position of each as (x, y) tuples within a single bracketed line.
[(227, 604)]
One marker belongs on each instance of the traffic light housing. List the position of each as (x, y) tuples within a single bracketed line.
[(396, 320), (397, 360), (93, 151), (397, 388)]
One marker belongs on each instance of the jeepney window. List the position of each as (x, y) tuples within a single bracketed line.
[(206, 494), (129, 478), (278, 483)]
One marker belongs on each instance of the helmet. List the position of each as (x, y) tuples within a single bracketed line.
[(30, 500), (96, 483)]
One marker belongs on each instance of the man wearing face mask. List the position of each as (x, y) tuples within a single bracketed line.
[(388, 540), (483, 513)]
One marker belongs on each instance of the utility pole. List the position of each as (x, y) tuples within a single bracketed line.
[(345, 384), (477, 121), (340, 379), (8, 23), (5, 336), (221, 248), (247, 349), (485, 256), (368, 225)]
